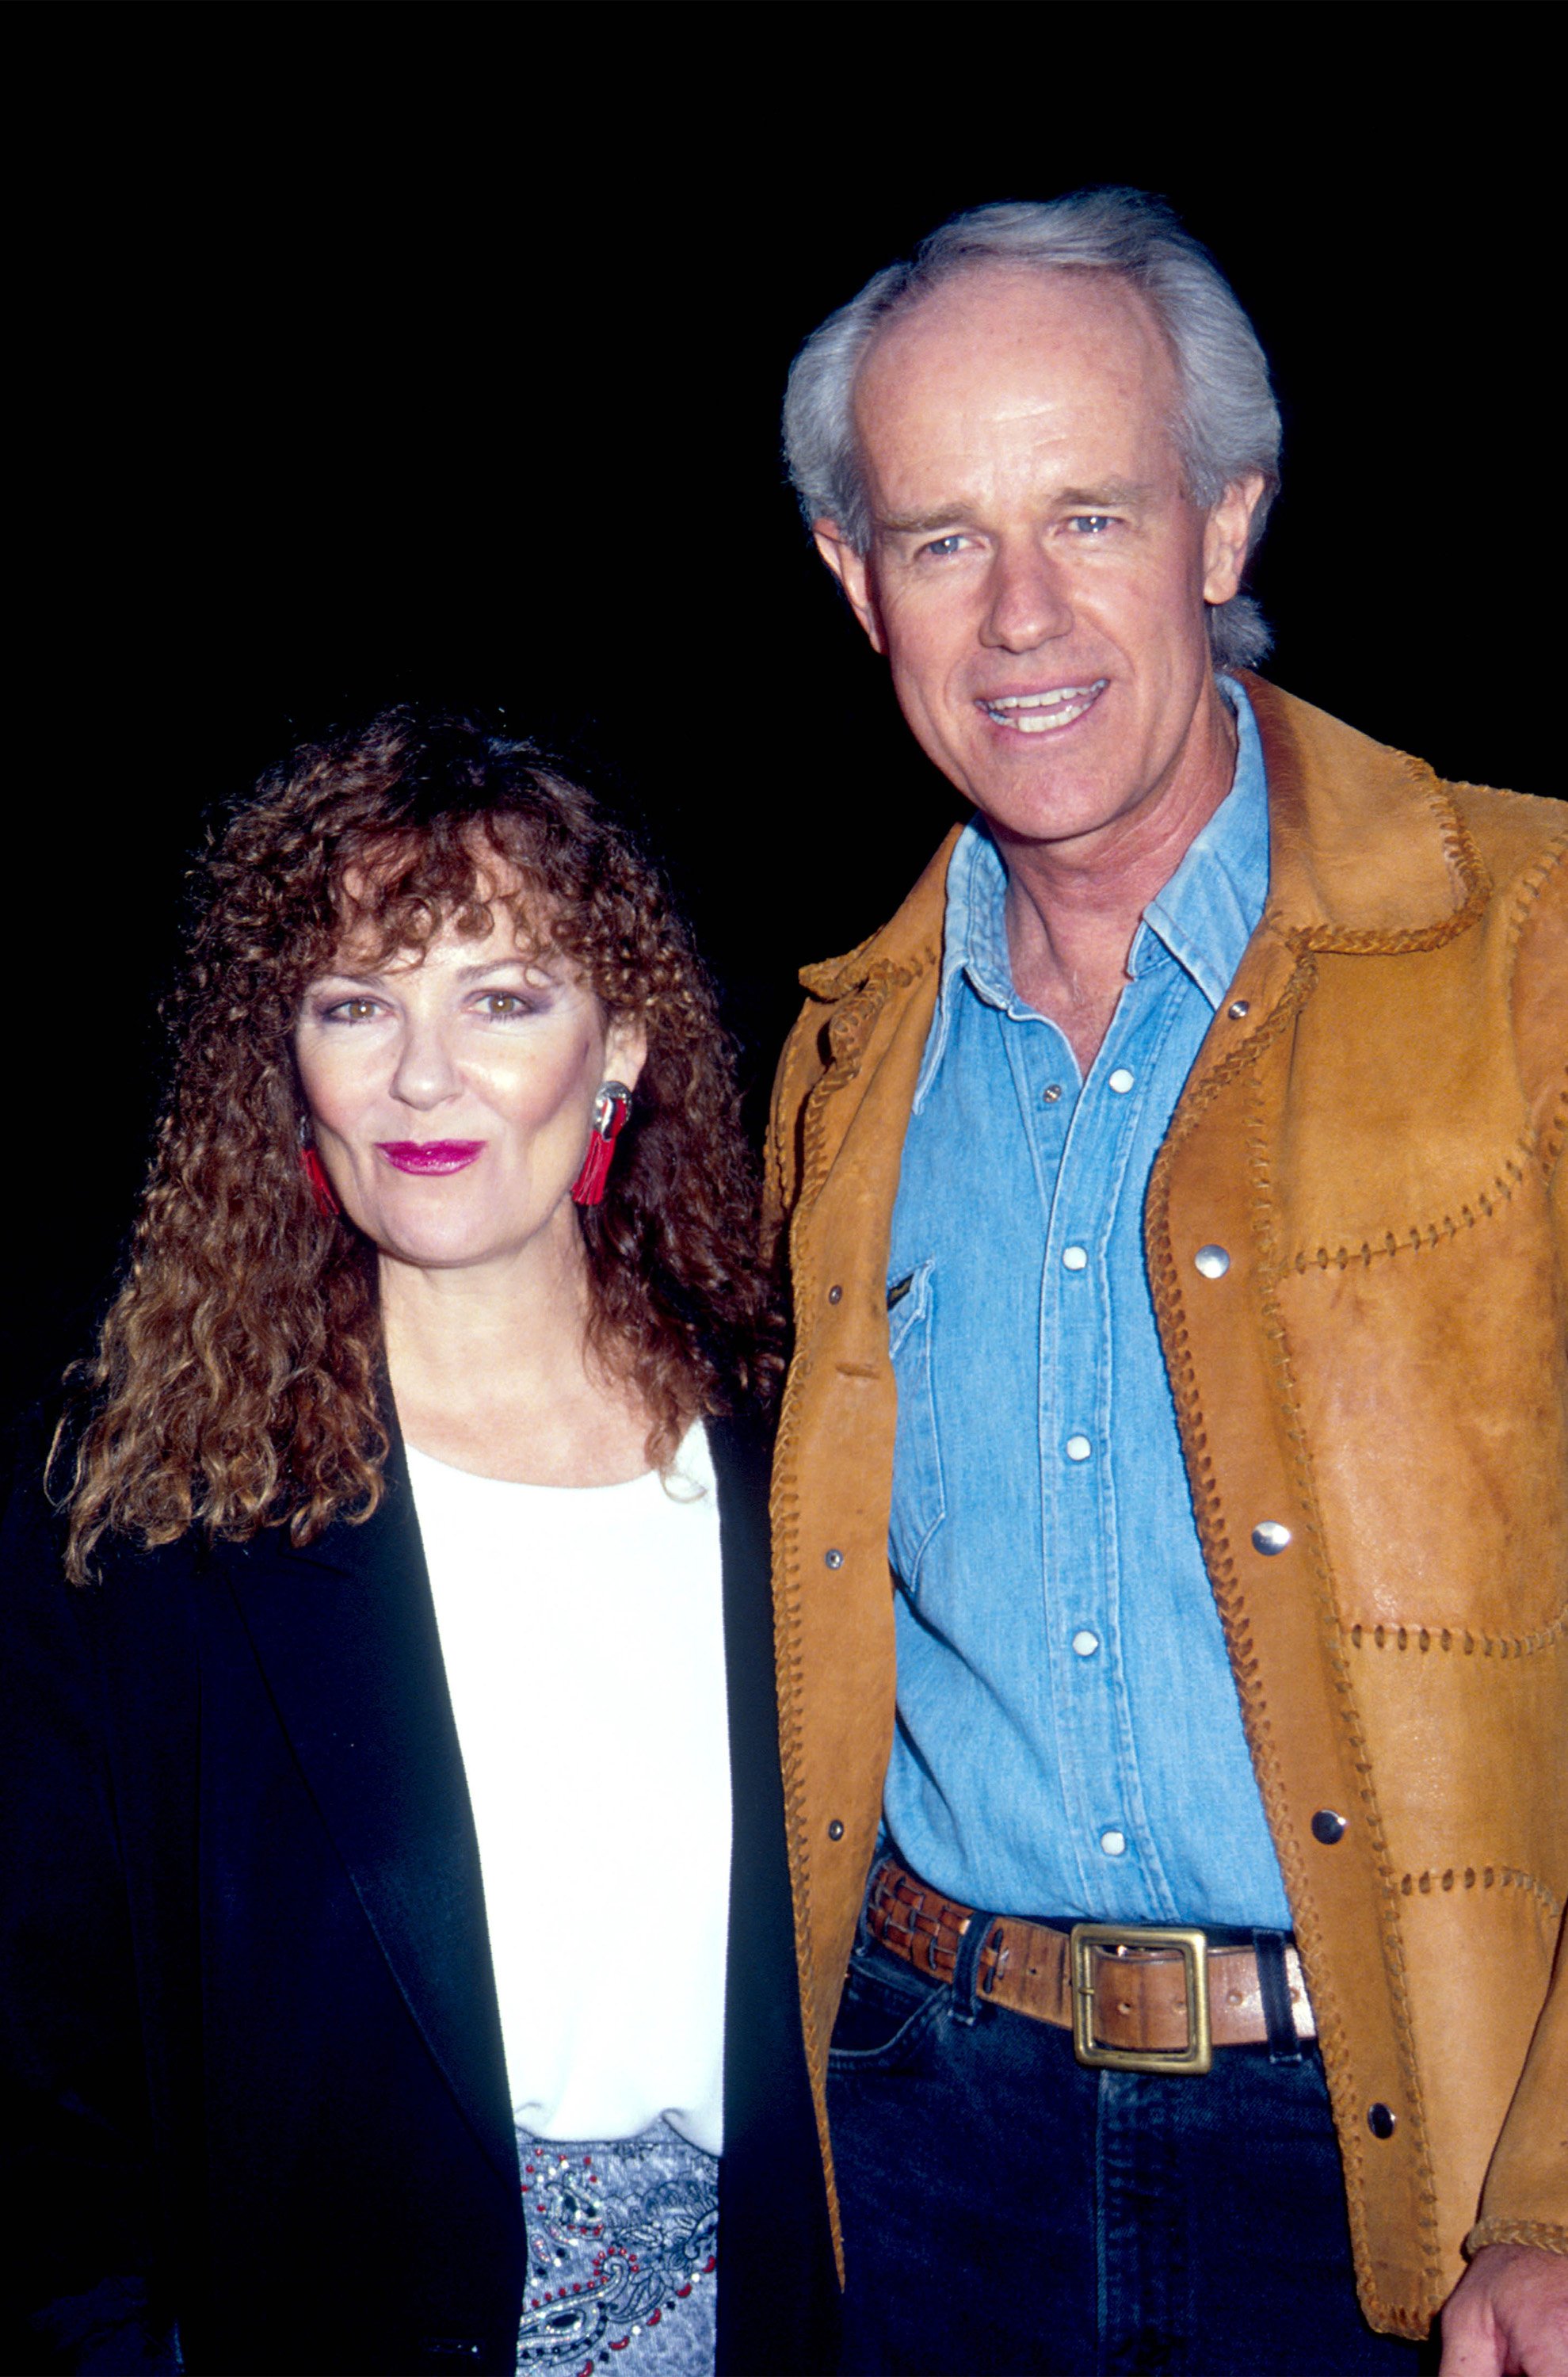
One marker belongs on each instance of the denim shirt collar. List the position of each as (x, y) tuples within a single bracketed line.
[(1204, 917)]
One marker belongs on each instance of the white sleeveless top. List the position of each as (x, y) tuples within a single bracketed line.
[(582, 1632)]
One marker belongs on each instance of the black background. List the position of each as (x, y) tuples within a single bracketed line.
[(374, 350)]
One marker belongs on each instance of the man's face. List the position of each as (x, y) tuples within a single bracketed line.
[(1036, 576)]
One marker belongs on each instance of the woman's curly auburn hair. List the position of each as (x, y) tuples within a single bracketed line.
[(236, 1379)]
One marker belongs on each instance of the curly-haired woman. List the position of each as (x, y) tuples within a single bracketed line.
[(400, 1921)]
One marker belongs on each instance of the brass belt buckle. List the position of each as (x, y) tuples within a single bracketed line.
[(1198, 2055)]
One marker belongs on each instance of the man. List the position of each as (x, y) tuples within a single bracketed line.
[(1178, 1226)]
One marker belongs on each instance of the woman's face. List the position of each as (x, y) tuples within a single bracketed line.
[(452, 1094)]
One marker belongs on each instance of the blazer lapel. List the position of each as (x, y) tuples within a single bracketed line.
[(345, 1633)]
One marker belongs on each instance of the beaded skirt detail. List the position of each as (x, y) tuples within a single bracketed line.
[(622, 2256)]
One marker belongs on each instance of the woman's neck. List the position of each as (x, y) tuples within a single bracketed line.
[(490, 1372)]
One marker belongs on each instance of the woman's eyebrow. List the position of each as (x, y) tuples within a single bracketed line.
[(491, 965)]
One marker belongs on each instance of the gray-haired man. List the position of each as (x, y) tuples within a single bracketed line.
[(1171, 1513)]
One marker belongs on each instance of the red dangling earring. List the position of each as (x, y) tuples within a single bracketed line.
[(319, 1185), (611, 1108)]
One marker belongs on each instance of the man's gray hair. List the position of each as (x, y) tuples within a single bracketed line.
[(1227, 424)]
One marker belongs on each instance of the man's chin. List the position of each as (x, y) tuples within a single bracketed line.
[(1040, 800)]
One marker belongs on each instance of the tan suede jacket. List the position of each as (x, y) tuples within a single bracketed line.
[(1374, 1130)]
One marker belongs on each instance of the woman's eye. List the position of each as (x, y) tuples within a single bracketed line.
[(351, 1010), (504, 1005)]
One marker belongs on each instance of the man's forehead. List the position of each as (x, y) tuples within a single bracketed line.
[(1024, 306), (1069, 356)]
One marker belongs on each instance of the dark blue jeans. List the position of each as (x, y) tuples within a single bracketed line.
[(1006, 2210)]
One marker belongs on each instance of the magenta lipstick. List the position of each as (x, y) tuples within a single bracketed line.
[(429, 1156)]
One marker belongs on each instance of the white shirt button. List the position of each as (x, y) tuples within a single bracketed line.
[(1074, 1258), (1114, 1843), (1079, 1448), (1121, 1080), (1085, 1644)]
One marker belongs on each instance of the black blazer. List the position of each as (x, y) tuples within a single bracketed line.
[(251, 2048)]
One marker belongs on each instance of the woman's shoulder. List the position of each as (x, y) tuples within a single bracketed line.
[(37, 1468), (29, 1444)]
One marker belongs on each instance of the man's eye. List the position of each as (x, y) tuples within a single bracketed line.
[(941, 548), (1090, 523)]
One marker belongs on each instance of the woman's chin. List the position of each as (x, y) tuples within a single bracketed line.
[(451, 1243)]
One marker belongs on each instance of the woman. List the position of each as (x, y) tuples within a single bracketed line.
[(402, 1923)]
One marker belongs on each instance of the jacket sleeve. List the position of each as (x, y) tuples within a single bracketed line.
[(76, 2152), (1524, 2201)]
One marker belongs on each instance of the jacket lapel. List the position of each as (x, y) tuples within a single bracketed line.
[(345, 1633)]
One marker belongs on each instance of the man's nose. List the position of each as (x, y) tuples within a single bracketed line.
[(427, 1075), (1028, 604)]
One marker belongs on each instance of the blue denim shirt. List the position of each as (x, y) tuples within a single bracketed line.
[(1069, 1738)]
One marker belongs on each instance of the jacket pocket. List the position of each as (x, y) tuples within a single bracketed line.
[(918, 1498)]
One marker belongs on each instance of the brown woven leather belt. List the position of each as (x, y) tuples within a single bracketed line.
[(1137, 1998)]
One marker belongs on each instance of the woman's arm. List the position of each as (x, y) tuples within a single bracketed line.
[(82, 2200)]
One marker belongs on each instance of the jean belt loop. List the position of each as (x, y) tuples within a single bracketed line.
[(864, 1937), (1274, 1987), (966, 1968)]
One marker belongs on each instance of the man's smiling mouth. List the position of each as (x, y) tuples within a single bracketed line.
[(1040, 713)]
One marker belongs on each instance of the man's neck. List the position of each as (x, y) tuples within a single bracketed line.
[(1073, 908)]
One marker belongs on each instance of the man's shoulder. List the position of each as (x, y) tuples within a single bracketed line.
[(909, 943), (1516, 833), (1368, 839), (1303, 735)]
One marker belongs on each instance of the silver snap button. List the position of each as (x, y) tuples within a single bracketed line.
[(1213, 1262), (1238, 1009), (832, 1559), (1114, 1843), (1052, 1094), (1270, 1536), (1120, 1080), (1085, 1642)]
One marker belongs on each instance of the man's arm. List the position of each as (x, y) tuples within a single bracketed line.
[(799, 1065), (1509, 2312)]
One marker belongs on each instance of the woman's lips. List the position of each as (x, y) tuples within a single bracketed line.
[(429, 1155)]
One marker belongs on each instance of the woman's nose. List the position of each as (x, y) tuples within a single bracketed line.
[(425, 1075)]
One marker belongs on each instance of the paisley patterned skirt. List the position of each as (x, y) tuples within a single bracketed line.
[(622, 2256)]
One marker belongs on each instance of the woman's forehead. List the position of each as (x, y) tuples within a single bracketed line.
[(493, 925)]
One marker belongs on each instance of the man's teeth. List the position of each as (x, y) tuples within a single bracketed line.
[(1037, 713)]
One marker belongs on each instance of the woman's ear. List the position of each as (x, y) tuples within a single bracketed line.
[(626, 1049)]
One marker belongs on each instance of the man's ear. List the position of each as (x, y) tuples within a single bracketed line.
[(850, 568), (1224, 538)]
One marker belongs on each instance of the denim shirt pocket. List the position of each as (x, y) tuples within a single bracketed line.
[(918, 1504)]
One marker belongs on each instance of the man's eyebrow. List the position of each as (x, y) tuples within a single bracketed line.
[(1109, 493), (923, 524)]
